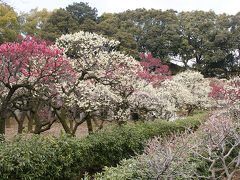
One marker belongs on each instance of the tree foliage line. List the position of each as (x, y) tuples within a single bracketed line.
[(210, 40)]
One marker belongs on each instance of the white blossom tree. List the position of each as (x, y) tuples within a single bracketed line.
[(189, 91), (102, 78)]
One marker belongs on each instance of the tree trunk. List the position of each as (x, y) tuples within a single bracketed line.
[(8, 121), (37, 128), (21, 121), (20, 127), (37, 123), (2, 122), (71, 124), (89, 125), (63, 120), (3, 116), (3, 111), (30, 122)]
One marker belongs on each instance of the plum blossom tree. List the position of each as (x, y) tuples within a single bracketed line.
[(185, 91), (153, 69), (25, 68), (188, 91), (227, 94), (88, 97), (217, 143), (103, 78), (168, 158), (93, 58), (150, 103), (127, 84)]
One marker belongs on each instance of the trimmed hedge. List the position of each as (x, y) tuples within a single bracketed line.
[(42, 157)]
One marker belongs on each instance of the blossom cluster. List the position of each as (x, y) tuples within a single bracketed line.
[(226, 94), (188, 91), (30, 61), (103, 76)]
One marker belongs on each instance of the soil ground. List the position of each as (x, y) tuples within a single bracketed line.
[(55, 130)]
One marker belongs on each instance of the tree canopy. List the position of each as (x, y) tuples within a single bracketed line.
[(59, 22), (9, 27), (82, 11), (208, 40), (32, 22)]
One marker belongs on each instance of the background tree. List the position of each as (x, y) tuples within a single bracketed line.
[(196, 29), (32, 22), (109, 26), (153, 30), (82, 11), (9, 27), (208, 39), (88, 25), (220, 61), (235, 30), (60, 22)]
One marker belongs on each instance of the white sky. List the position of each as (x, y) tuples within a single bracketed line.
[(219, 6)]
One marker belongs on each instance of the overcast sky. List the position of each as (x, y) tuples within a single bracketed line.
[(219, 6)]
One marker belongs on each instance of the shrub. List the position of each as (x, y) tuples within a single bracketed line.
[(127, 169), (218, 144), (163, 158), (41, 157), (29, 158), (212, 152)]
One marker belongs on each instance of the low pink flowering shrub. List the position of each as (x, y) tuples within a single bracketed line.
[(216, 145), (167, 158)]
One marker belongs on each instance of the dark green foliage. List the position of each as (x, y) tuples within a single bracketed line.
[(111, 26), (41, 157), (82, 11), (153, 30), (126, 170), (60, 22), (206, 38), (211, 40)]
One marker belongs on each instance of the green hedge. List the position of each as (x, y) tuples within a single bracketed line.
[(42, 157), (125, 170)]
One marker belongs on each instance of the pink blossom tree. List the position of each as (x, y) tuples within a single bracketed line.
[(227, 94), (153, 70), (25, 68)]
